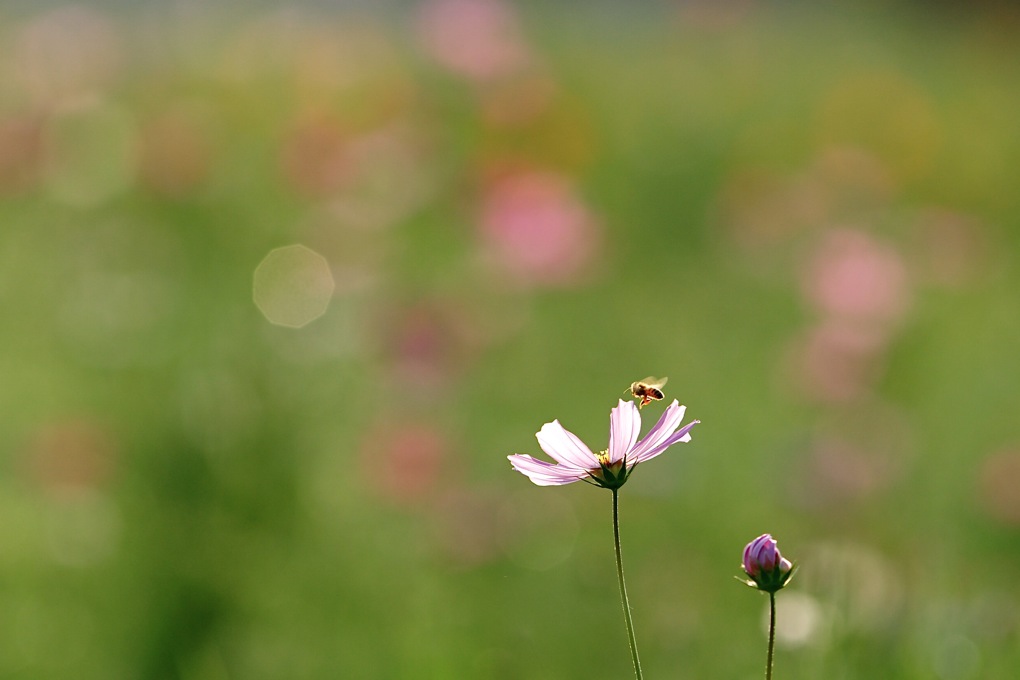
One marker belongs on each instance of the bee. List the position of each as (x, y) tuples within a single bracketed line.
[(648, 389)]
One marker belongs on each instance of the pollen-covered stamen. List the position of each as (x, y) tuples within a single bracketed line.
[(606, 465), (609, 474)]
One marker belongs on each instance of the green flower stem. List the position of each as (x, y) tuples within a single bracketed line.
[(623, 588), (772, 635)]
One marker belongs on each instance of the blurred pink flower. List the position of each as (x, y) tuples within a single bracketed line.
[(21, 143), (175, 152), (885, 114), (851, 181), (610, 468), (711, 17), (537, 228), (838, 472), (66, 53), (371, 179), (998, 480), (479, 39), (429, 343), (405, 463), (517, 101), (72, 455), (770, 213), (467, 526), (836, 361), (314, 156), (855, 277), (948, 248), (389, 177)]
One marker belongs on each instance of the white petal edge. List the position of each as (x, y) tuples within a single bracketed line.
[(661, 431), (682, 435), (564, 447), (624, 428), (543, 473)]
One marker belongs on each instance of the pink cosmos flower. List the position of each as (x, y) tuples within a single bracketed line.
[(610, 468)]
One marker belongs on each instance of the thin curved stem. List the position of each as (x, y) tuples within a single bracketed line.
[(772, 635), (623, 586)]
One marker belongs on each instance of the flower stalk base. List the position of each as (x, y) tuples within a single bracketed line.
[(623, 586)]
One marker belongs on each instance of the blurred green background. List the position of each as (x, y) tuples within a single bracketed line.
[(283, 286)]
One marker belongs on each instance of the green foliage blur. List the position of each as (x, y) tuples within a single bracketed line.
[(283, 286)]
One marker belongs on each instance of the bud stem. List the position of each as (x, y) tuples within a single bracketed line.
[(772, 634), (623, 587)]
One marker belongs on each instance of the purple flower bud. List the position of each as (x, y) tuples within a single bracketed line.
[(768, 569)]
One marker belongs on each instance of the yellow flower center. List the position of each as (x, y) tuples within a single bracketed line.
[(603, 458), (609, 475)]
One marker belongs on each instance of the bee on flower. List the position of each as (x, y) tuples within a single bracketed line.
[(648, 389)]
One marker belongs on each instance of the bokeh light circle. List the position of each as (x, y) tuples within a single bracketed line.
[(292, 286), (798, 620)]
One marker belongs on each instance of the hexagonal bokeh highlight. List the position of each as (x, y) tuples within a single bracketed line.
[(292, 286)]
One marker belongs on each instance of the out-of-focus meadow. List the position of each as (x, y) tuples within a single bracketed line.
[(282, 287)]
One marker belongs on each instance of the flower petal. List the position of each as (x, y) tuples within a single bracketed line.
[(669, 421), (564, 447), (681, 435), (545, 474), (750, 566), (758, 547), (624, 428)]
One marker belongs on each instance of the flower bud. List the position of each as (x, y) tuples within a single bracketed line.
[(768, 569)]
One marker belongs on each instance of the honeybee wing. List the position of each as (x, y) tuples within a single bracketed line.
[(655, 382)]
